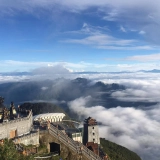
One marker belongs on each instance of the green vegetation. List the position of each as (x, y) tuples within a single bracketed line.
[(9, 152), (117, 152)]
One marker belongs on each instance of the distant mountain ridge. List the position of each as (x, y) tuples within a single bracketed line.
[(61, 91), (151, 71), (84, 72)]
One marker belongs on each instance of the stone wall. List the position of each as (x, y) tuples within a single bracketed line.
[(32, 138), (16, 127), (65, 151)]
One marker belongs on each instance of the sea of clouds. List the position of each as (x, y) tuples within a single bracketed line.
[(136, 128), (133, 128)]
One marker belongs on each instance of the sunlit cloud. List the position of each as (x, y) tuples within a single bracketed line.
[(142, 32), (144, 58), (21, 66), (97, 38)]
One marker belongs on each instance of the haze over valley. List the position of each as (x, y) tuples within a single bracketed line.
[(126, 105)]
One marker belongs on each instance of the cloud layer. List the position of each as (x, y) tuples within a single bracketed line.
[(145, 58), (132, 16), (139, 90), (21, 66), (135, 129)]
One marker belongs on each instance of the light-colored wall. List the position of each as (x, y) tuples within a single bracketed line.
[(93, 133), (32, 138), (21, 125), (77, 137)]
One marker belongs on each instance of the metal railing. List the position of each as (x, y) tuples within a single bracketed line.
[(73, 145)]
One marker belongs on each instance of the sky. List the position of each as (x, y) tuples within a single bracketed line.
[(63, 36), (102, 36)]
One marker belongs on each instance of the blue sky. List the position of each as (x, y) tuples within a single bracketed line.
[(79, 35)]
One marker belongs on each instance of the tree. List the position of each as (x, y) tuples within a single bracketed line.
[(9, 152)]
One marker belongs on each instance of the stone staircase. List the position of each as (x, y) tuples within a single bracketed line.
[(73, 145)]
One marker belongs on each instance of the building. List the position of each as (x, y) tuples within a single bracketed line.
[(91, 135), (75, 134), (52, 117), (16, 127), (19, 129)]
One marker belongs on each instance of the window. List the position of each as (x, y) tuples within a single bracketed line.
[(78, 135), (73, 135), (93, 139), (92, 127), (93, 133)]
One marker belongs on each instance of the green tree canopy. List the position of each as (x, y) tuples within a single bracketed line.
[(9, 152)]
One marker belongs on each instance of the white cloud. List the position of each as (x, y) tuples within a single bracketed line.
[(111, 15), (99, 38), (134, 47), (142, 32), (20, 66), (148, 94), (102, 40), (136, 129), (44, 88), (57, 69), (144, 58), (134, 14), (7, 65), (132, 128), (76, 4), (4, 79), (122, 29), (141, 87), (12, 66)]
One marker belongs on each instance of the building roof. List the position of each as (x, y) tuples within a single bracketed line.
[(47, 116), (90, 121)]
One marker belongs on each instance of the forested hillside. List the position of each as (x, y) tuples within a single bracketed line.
[(117, 152)]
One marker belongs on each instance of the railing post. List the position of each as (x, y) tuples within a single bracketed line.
[(80, 148)]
